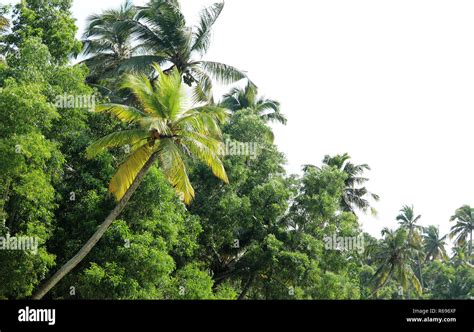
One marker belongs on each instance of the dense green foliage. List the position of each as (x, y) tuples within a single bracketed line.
[(49, 21), (263, 235)]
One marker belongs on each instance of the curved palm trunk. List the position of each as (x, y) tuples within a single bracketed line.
[(73, 262)]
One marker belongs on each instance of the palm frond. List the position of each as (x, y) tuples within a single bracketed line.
[(128, 171), (148, 37), (204, 120), (222, 73), (275, 117), (202, 91), (4, 23), (169, 91), (268, 105), (413, 280), (206, 150), (124, 113), (117, 139), (142, 88), (161, 25), (201, 38), (140, 63), (175, 170)]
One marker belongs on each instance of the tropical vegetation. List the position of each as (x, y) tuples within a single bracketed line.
[(162, 189)]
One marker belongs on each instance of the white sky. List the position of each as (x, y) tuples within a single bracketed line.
[(389, 82)]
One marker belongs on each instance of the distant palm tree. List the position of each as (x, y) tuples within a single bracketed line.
[(394, 258), (165, 132), (434, 245), (108, 41), (354, 196), (462, 230), (408, 220), (247, 98)]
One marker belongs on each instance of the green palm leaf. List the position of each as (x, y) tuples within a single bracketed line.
[(202, 91), (139, 63), (175, 170), (201, 38), (222, 73), (128, 170), (118, 139), (206, 150), (124, 113), (205, 120)]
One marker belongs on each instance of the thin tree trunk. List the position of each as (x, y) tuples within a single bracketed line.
[(81, 254), (246, 287)]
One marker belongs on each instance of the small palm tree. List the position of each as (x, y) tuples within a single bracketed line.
[(395, 257), (408, 220), (434, 245), (247, 98), (166, 132), (354, 196), (462, 230)]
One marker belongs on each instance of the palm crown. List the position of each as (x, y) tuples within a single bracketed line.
[(166, 130), (247, 98), (434, 244), (395, 257), (108, 40), (408, 220), (462, 230), (355, 196)]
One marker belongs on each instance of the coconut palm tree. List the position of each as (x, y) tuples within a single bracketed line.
[(394, 258), (408, 220), (247, 98), (161, 31), (354, 196), (165, 132), (159, 34), (462, 230), (108, 41), (434, 245)]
